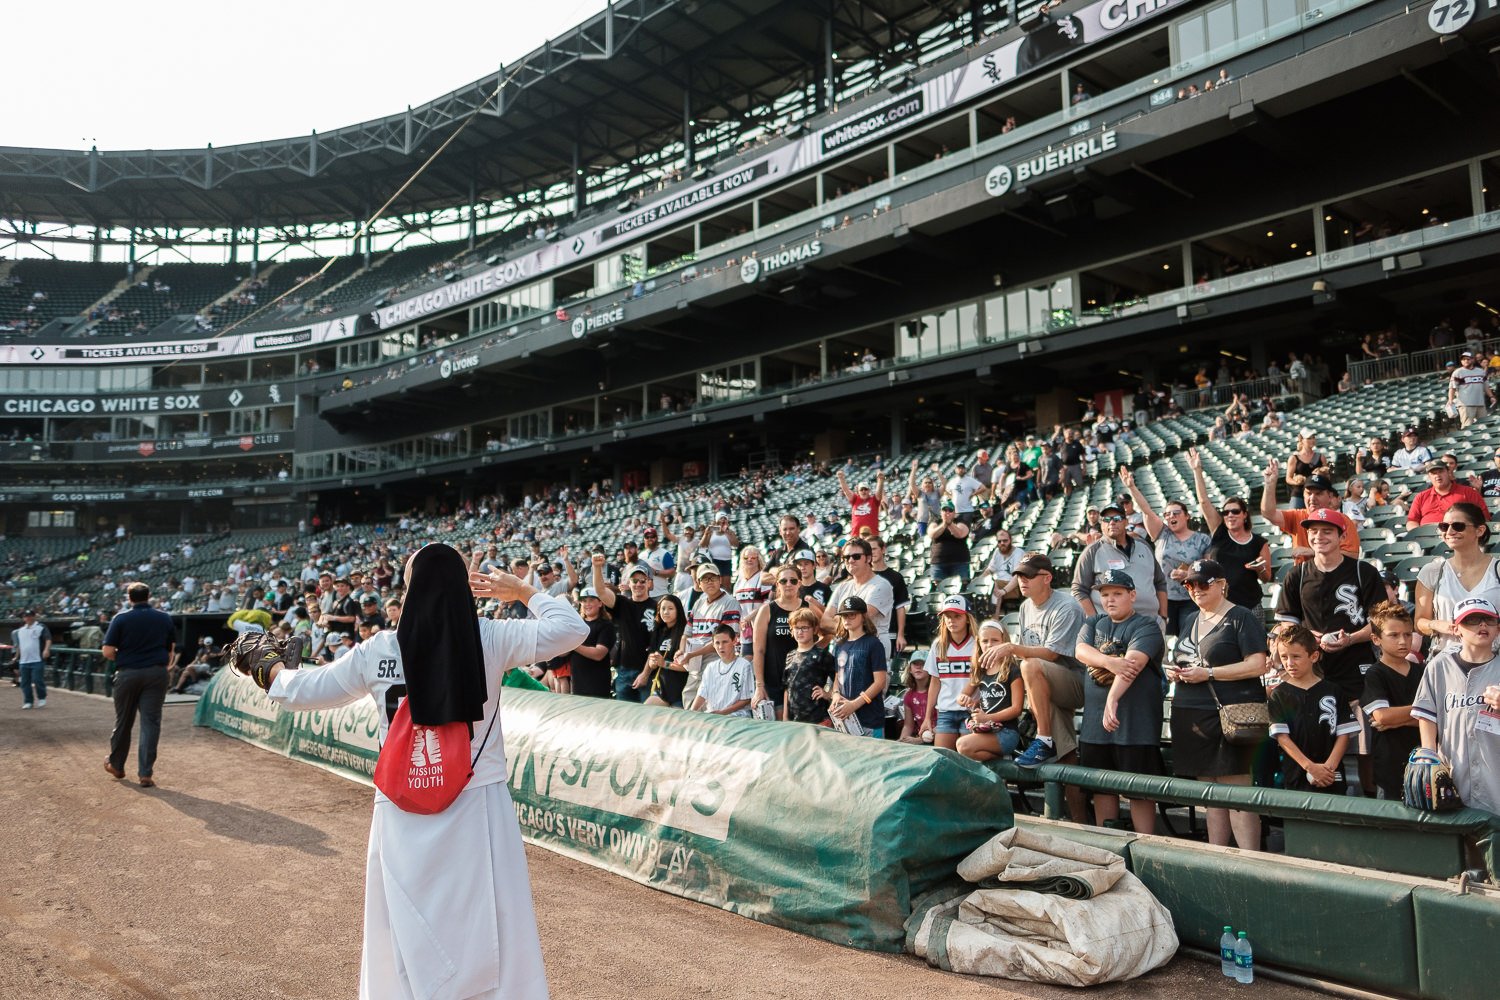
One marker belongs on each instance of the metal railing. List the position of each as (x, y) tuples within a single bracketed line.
[(83, 670), (1433, 360)]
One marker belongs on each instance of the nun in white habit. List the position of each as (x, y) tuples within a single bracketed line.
[(448, 910)]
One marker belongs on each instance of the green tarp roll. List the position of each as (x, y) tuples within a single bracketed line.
[(793, 825)]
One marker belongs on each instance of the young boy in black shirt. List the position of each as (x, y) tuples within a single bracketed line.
[(1390, 686), (810, 670), (1310, 721)]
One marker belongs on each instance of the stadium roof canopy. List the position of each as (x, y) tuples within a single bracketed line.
[(619, 85)]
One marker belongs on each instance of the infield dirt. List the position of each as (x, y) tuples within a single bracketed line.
[(241, 876)]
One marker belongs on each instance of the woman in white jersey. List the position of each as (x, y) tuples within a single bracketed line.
[(1469, 572), (687, 541), (447, 898), (752, 589), (950, 666), (721, 541)]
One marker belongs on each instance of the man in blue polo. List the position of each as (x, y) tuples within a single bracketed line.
[(141, 641)]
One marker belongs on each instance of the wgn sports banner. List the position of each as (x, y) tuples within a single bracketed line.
[(793, 825), (1058, 37)]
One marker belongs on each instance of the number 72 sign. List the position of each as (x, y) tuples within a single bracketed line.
[(1448, 16)]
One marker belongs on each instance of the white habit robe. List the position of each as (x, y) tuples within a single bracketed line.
[(448, 910)]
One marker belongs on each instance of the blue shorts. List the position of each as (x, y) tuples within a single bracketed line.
[(956, 721), (1008, 737), (878, 732)]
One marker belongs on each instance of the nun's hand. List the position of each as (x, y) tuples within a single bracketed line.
[(500, 586)]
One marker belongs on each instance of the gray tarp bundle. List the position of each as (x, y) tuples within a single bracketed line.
[(1043, 909)]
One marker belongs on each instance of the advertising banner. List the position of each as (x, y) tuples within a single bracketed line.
[(80, 352), (792, 825)]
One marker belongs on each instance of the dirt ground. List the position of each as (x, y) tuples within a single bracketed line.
[(241, 875)]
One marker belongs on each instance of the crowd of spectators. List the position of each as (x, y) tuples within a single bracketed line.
[(1038, 662)]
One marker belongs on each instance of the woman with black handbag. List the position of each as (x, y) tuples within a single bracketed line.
[(1219, 702)]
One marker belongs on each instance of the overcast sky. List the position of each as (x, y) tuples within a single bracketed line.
[(184, 73)]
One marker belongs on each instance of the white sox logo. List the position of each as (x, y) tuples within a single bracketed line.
[(1328, 712), (1346, 603)]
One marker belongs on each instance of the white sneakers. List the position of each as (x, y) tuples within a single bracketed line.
[(41, 703)]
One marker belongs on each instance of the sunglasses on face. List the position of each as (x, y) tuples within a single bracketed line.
[(788, 579), (1228, 511), (1111, 519), (1480, 621), (1456, 527), (853, 558)]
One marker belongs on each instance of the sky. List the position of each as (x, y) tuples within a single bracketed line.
[(184, 73)]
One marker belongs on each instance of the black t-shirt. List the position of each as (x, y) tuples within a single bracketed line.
[(805, 671), (591, 677), (1235, 638), (948, 550), (779, 643), (346, 606), (900, 593), (1489, 487), (1384, 688), (668, 684), (1314, 718), (1072, 453), (633, 623), (817, 590), (1244, 585), (1339, 600)]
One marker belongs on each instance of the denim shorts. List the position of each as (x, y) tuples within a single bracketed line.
[(1008, 736), (956, 721)]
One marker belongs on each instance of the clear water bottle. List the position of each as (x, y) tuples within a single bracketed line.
[(1226, 952), (1244, 960)]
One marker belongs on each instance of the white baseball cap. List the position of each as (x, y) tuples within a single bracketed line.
[(956, 603)]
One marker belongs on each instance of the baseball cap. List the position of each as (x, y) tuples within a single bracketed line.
[(853, 605), (1204, 571), (1124, 498), (1436, 465), (370, 599), (28, 613), (1467, 354), (335, 637), (1326, 516), (1114, 578), (954, 605), (1033, 564), (1111, 507), (1410, 431), (1474, 606), (802, 554), (948, 505), (1318, 481), (706, 570), (917, 656), (649, 533), (642, 569), (588, 592), (370, 620)]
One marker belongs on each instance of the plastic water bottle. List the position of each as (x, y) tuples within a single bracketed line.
[(1244, 960), (1226, 952)]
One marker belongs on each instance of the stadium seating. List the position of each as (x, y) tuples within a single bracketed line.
[(69, 289)]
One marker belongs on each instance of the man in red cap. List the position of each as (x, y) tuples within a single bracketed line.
[(1318, 493), (1431, 505), (1333, 595)]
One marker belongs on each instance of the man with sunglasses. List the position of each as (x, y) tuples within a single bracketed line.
[(1120, 550), (866, 584), (900, 593), (1431, 505)]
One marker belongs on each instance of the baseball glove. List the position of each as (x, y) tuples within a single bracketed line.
[(1428, 783), (255, 653), (1109, 647)]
